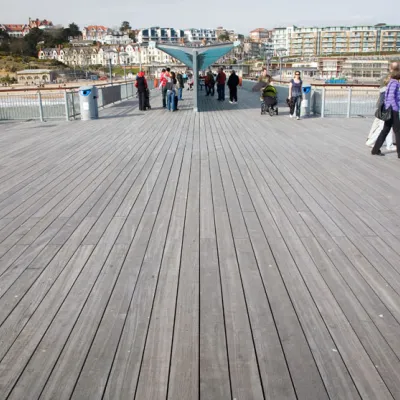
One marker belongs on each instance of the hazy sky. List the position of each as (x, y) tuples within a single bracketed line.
[(242, 16)]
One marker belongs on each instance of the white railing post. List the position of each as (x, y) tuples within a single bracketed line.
[(323, 103), (66, 106), (40, 106), (349, 102)]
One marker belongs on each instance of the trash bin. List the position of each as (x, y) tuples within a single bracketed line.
[(88, 103), (306, 103)]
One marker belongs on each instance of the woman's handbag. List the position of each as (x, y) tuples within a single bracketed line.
[(383, 113)]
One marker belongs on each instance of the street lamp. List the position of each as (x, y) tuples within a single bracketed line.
[(281, 52), (109, 54), (124, 55)]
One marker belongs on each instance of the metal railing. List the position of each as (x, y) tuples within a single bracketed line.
[(57, 104), (344, 101)]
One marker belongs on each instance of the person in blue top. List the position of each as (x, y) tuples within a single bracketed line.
[(295, 95), (392, 99)]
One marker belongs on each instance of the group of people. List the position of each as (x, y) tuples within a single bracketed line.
[(232, 83), (390, 100), (171, 85)]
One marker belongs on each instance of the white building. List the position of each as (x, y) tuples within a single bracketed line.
[(94, 32), (197, 35), (157, 34), (339, 40), (115, 38), (131, 54)]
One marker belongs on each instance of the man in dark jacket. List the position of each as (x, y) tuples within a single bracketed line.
[(233, 83), (221, 78), (141, 85)]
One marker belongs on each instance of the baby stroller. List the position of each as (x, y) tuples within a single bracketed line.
[(269, 101)]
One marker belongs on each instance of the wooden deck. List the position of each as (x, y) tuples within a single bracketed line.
[(218, 255)]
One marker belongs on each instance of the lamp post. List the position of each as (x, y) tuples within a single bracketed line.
[(124, 55), (109, 54), (281, 52)]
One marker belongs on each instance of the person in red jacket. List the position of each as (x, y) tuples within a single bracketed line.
[(165, 74), (141, 85), (221, 79)]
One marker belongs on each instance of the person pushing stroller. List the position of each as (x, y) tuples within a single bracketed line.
[(269, 98)]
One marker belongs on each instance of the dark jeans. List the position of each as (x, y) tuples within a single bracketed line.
[(210, 90), (142, 100), (295, 104), (164, 97), (394, 123), (221, 92), (233, 93)]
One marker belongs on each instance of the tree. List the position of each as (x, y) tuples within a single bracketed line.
[(125, 26), (224, 37), (74, 30), (132, 36), (19, 47), (4, 41), (32, 40)]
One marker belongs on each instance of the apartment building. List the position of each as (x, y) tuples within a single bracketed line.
[(259, 35), (200, 35), (365, 69), (157, 34), (313, 41)]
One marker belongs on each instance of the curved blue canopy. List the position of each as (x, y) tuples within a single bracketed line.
[(206, 55)]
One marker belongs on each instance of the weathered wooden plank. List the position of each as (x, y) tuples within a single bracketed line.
[(154, 372), (184, 371), (127, 296), (102, 274), (214, 367), (245, 378)]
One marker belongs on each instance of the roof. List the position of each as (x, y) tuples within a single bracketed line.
[(15, 27), (96, 28), (259, 30), (34, 71)]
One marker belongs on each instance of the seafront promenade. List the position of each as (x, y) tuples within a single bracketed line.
[(212, 255)]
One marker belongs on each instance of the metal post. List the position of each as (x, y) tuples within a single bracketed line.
[(195, 81), (140, 59), (323, 103), (110, 66), (349, 102), (125, 72), (66, 106), (40, 107), (280, 69)]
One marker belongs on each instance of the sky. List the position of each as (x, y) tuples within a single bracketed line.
[(239, 15)]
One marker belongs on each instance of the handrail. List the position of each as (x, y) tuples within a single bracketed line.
[(36, 89)]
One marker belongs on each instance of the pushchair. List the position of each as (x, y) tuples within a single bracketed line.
[(269, 101)]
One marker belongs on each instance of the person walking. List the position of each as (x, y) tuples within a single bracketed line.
[(295, 95), (392, 100), (209, 83), (141, 85), (221, 79), (171, 92), (233, 83), (180, 85), (377, 124), (165, 74)]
